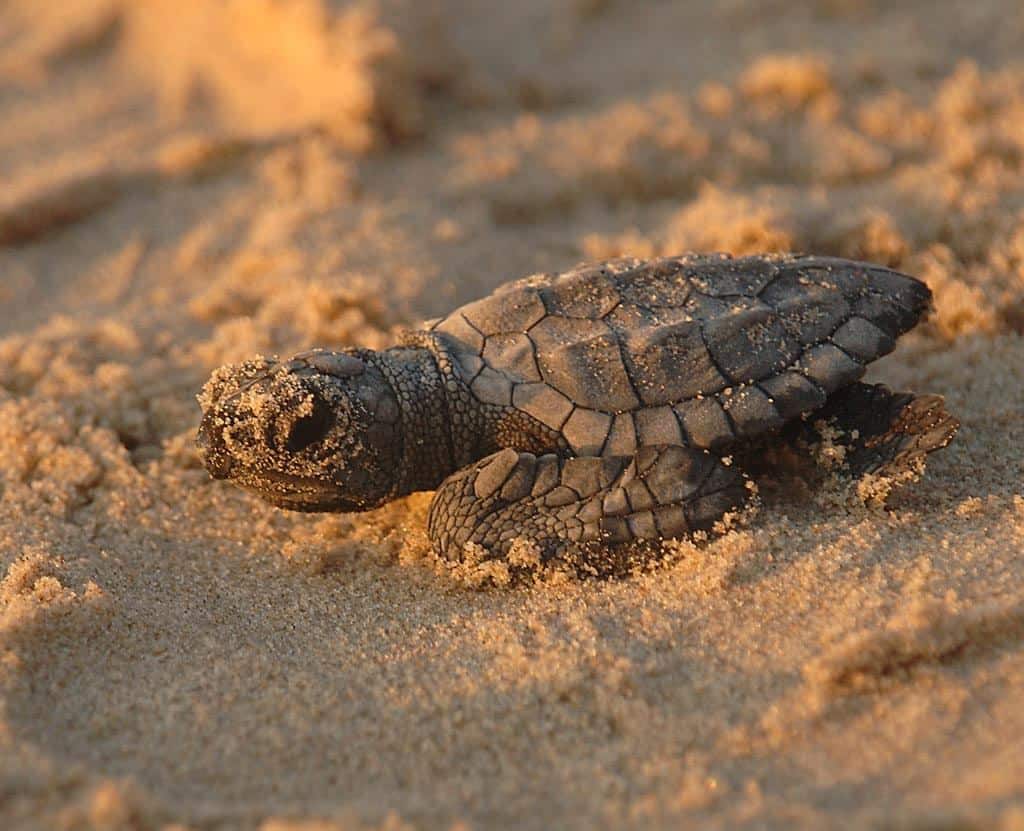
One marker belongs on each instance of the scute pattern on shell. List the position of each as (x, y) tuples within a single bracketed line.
[(727, 348)]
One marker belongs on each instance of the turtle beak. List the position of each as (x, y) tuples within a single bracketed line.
[(212, 450)]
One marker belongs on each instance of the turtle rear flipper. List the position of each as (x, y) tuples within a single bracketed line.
[(885, 432)]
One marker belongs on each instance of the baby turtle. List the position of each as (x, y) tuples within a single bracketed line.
[(591, 408)]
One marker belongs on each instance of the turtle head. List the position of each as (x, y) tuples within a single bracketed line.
[(317, 432)]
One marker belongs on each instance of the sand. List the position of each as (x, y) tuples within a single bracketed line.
[(187, 184)]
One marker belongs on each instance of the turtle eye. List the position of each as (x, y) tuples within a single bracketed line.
[(310, 429)]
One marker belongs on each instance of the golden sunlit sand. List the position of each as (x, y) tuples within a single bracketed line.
[(191, 184)]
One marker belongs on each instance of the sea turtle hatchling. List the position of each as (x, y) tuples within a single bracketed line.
[(586, 409)]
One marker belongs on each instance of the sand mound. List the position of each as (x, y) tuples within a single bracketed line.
[(280, 66)]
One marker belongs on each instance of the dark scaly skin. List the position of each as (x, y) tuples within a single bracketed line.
[(884, 431), (621, 369), (356, 460), (555, 502)]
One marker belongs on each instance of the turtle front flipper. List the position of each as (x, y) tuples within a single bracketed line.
[(884, 433), (531, 509)]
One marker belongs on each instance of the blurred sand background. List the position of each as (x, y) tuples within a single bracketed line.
[(189, 183)]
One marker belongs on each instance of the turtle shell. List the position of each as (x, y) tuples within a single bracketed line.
[(698, 350)]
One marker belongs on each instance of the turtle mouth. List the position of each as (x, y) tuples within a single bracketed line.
[(294, 493)]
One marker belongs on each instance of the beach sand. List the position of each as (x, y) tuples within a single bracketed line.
[(188, 184)]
